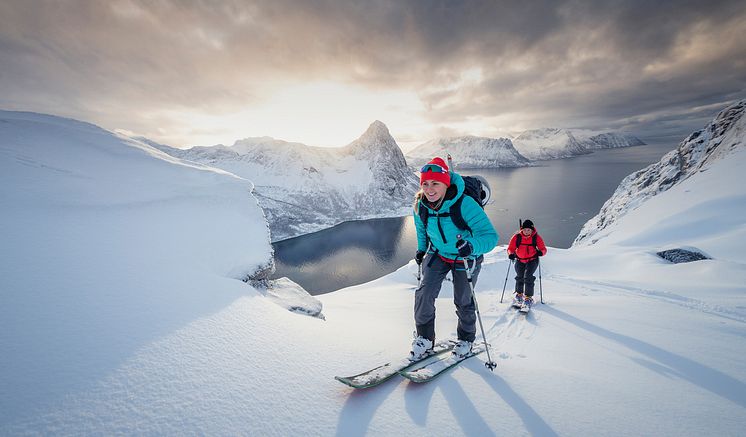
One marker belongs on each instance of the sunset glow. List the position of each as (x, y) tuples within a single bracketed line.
[(320, 72)]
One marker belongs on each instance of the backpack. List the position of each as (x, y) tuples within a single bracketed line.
[(475, 187), (519, 237)]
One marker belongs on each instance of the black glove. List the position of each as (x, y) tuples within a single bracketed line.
[(419, 256), (538, 253), (511, 256), (464, 248)]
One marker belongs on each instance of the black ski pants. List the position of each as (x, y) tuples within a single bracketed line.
[(524, 280), (434, 271)]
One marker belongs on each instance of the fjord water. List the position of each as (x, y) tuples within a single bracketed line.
[(559, 196)]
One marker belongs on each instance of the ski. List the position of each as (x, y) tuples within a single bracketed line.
[(383, 373), (433, 369)]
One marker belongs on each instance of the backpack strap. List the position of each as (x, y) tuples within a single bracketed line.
[(424, 214), (454, 213), (519, 240), (457, 217)]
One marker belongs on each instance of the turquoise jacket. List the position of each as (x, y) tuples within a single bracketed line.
[(483, 239)]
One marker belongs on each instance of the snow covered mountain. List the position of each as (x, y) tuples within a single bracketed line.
[(549, 143), (304, 189), (469, 152), (697, 153), (610, 140)]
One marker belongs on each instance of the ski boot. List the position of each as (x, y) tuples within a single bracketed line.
[(421, 347), (461, 349), (517, 300), (527, 303)]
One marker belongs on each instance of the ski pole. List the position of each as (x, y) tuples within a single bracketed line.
[(541, 290), (506, 280), (489, 364)]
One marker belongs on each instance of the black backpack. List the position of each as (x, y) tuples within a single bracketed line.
[(475, 187), (519, 238)]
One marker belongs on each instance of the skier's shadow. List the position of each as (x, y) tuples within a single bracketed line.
[(360, 407), (418, 397), (464, 410), (535, 425), (706, 377)]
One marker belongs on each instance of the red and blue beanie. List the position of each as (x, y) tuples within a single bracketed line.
[(435, 170)]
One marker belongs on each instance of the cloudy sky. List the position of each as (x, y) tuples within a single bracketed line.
[(205, 72)]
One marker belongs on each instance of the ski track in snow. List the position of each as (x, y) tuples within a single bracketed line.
[(657, 295), (511, 325)]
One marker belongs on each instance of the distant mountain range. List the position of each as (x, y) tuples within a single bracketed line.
[(469, 152), (531, 145)]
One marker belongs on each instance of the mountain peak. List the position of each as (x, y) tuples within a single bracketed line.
[(377, 129), (376, 137)]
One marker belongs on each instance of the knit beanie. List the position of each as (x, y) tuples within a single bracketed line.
[(435, 170), (527, 224)]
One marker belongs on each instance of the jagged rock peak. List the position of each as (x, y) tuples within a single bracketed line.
[(377, 133), (378, 126), (376, 140)]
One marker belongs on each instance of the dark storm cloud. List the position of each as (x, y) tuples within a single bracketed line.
[(560, 63)]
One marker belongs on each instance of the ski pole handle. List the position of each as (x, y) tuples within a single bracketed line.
[(469, 271)]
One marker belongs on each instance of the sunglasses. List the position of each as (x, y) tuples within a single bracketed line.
[(435, 168)]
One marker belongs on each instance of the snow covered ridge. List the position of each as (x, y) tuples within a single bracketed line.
[(469, 152), (52, 164), (531, 145), (696, 154), (610, 140), (548, 143), (304, 189)]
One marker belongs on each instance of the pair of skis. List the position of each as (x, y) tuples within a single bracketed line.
[(425, 369)]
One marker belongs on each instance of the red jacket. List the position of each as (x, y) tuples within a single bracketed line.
[(526, 251)]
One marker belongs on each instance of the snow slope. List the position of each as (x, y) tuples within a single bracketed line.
[(697, 153), (107, 245), (627, 343), (469, 152), (304, 189)]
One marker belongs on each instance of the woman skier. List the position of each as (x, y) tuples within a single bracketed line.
[(442, 247), (526, 246)]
